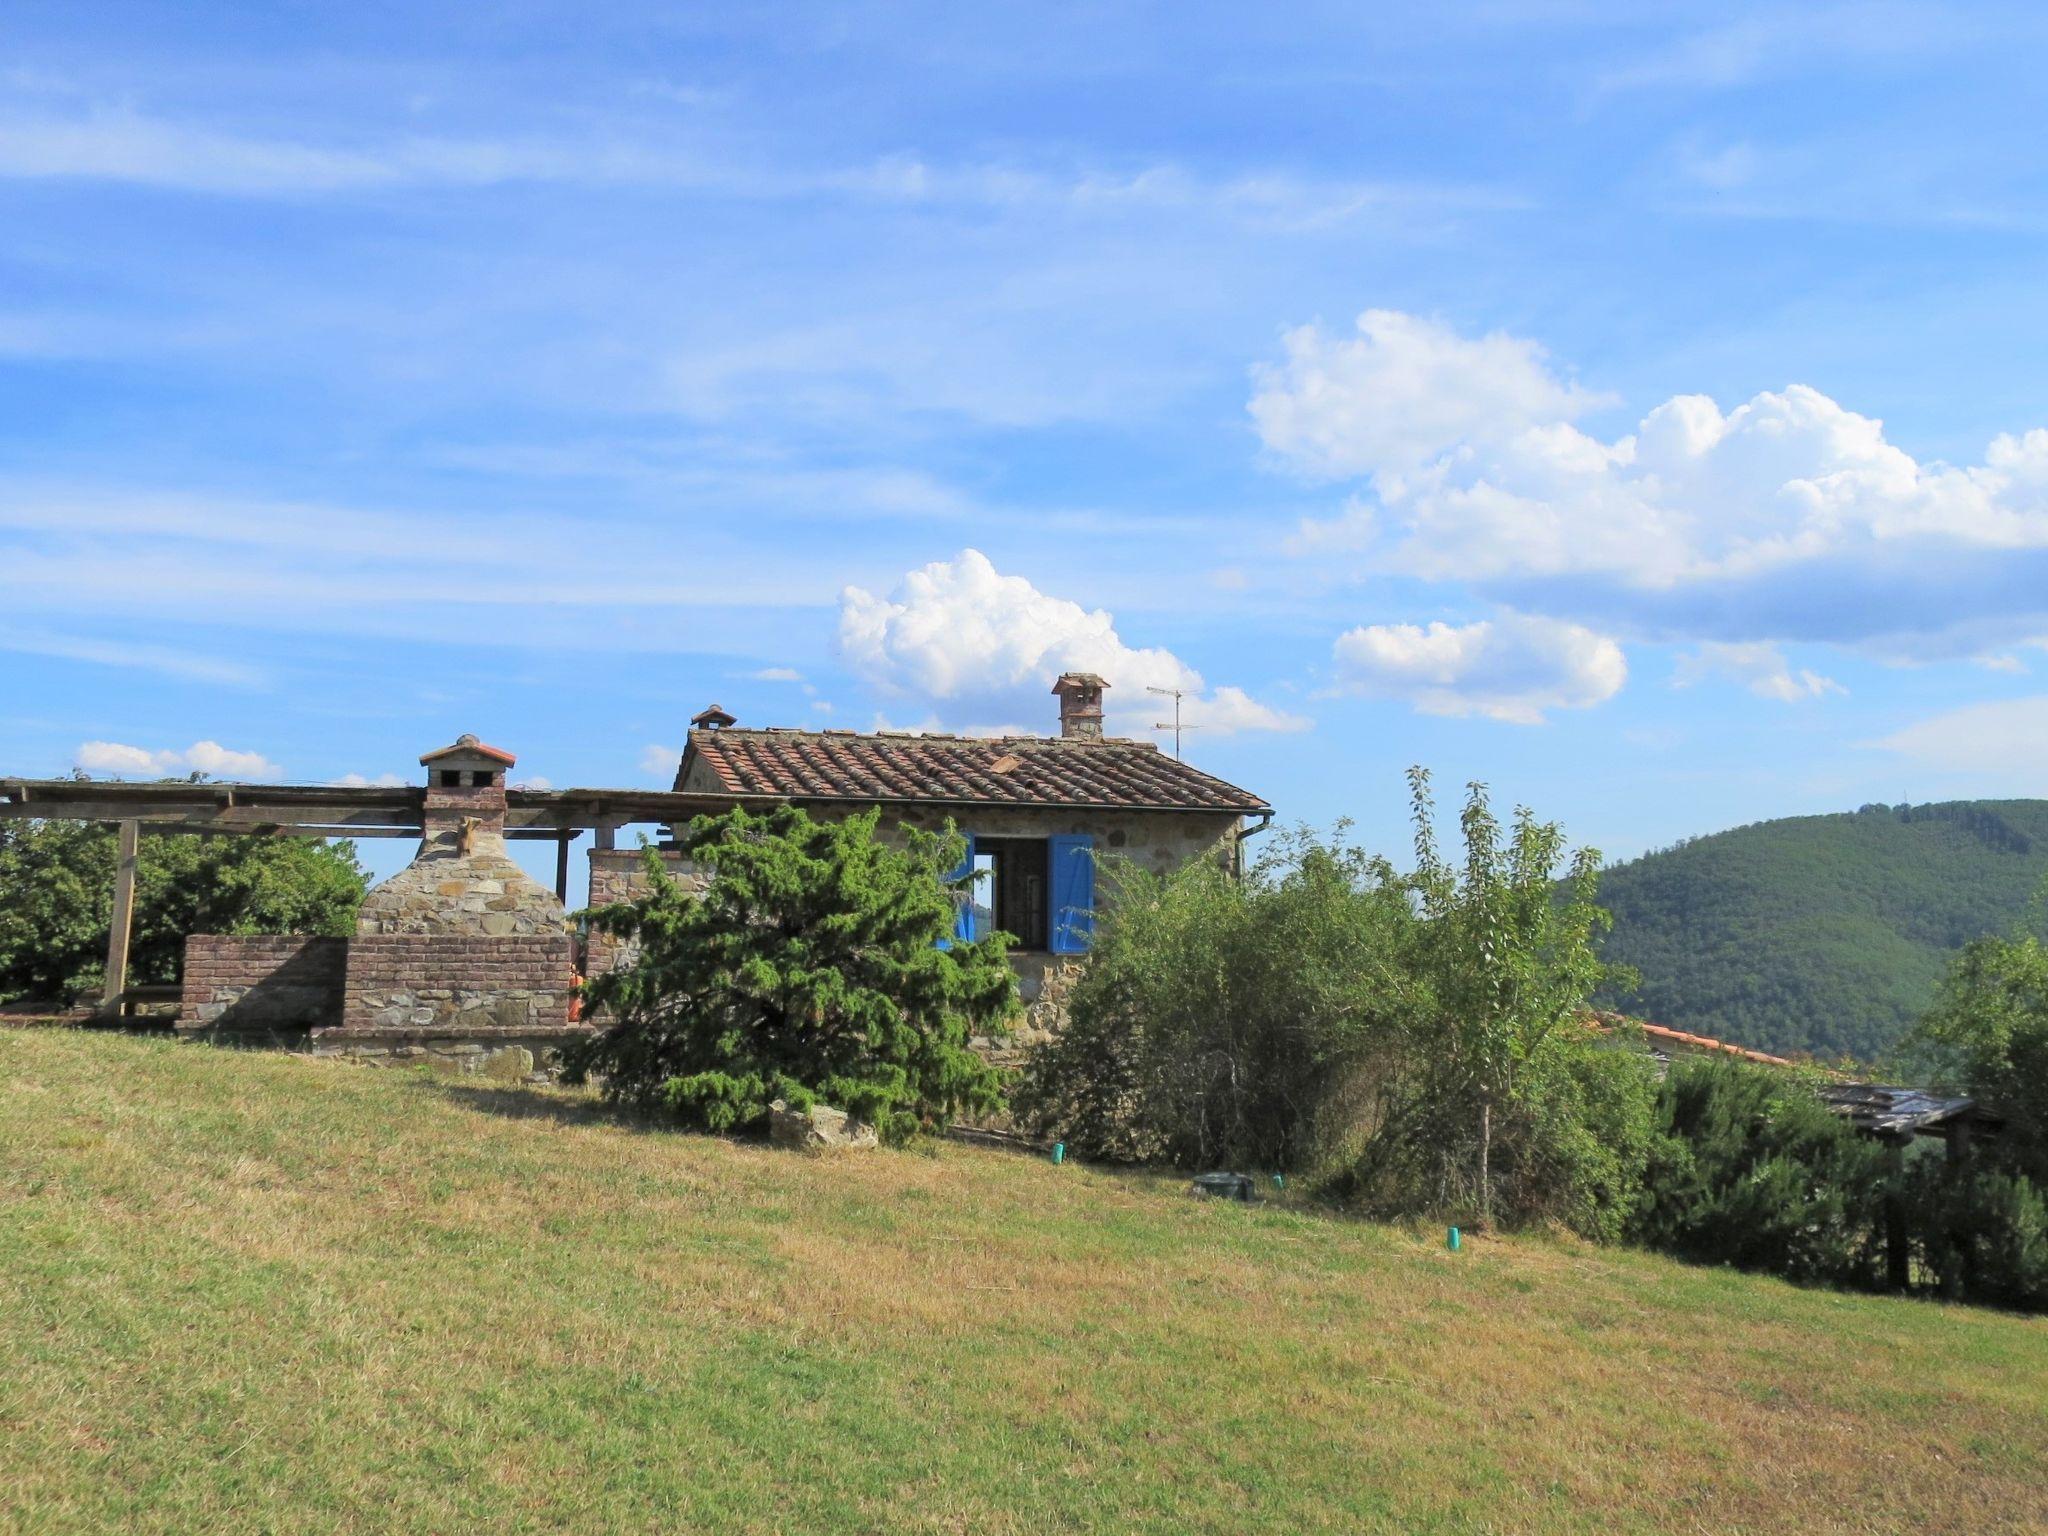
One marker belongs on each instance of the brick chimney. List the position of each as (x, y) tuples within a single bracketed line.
[(1080, 705), (465, 793)]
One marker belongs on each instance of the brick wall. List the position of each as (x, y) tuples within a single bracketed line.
[(442, 983), (261, 983)]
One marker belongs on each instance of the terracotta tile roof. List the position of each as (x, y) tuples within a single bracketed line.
[(1658, 1035), (955, 770)]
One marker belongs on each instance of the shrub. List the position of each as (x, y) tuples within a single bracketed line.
[(809, 968), (1750, 1168), (1411, 1044), (1219, 1021)]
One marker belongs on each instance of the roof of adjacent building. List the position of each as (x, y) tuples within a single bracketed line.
[(1887, 1110), (1658, 1035), (894, 766)]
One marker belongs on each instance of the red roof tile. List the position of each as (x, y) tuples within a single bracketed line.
[(957, 770), (1657, 1034)]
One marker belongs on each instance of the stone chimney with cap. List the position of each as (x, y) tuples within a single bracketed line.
[(463, 880), (1080, 706)]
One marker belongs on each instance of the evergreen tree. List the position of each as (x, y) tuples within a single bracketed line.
[(816, 965)]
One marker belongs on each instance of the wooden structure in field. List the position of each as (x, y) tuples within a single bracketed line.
[(318, 811)]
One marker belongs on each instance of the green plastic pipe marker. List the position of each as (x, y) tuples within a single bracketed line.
[(1059, 1152), (1451, 1240)]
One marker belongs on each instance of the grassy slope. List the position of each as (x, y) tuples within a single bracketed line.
[(250, 1292), (1820, 933)]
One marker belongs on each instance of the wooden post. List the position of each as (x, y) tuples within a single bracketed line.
[(562, 868), (124, 918), (1898, 1257)]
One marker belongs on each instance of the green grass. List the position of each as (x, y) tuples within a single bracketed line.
[(245, 1292)]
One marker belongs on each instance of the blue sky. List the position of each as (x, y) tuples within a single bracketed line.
[(1628, 406)]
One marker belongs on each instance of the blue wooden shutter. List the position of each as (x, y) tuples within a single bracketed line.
[(963, 917), (1073, 893)]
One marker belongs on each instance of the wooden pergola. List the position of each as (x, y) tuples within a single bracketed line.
[(319, 811)]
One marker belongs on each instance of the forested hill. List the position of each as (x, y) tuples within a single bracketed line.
[(1820, 933)]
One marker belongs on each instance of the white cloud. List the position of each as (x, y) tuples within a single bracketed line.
[(962, 632), (1788, 516), (364, 781), (660, 761), (1401, 392), (1759, 666), (207, 757), (536, 782), (2003, 737), (1512, 668), (166, 661), (775, 675)]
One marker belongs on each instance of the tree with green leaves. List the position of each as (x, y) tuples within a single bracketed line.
[(1406, 1043), (815, 964), (1987, 1036), (57, 896), (1507, 964)]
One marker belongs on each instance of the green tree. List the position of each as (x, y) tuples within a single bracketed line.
[(1987, 1036), (1225, 1021), (1750, 1168), (1408, 1043), (57, 892), (809, 968), (1507, 963)]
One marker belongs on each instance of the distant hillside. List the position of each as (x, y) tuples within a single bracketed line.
[(1820, 933)]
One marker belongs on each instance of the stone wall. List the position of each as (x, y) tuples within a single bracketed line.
[(261, 984), (618, 874), (447, 890)]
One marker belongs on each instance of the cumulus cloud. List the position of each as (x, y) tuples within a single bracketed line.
[(2005, 736), (775, 675), (1788, 516), (660, 761), (365, 781), (1512, 668), (1759, 666), (960, 631), (1389, 399), (207, 757)]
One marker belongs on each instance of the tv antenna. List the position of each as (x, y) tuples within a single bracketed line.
[(1176, 694)]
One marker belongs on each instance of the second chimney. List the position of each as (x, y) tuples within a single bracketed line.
[(1080, 705)]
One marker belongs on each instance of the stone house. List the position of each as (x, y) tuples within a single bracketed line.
[(1037, 811)]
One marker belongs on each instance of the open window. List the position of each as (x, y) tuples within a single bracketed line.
[(1039, 890)]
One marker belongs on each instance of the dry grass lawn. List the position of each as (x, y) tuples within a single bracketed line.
[(246, 1292)]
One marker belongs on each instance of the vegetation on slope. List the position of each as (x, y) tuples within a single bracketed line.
[(1827, 934), (253, 1292)]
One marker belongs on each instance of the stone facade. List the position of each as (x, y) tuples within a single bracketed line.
[(261, 985)]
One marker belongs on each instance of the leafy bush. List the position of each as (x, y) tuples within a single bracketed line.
[(1410, 1044), (57, 896), (1752, 1169), (808, 968), (1221, 1021)]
